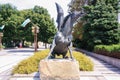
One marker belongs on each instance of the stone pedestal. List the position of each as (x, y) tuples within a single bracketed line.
[(59, 69)]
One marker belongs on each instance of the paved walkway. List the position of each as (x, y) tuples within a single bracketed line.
[(9, 58), (102, 71)]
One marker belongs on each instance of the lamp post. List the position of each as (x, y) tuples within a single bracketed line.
[(1, 35), (35, 30)]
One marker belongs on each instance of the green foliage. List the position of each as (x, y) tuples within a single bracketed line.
[(6, 14), (108, 48), (6, 10), (114, 3), (30, 65), (40, 10), (101, 25), (76, 5), (40, 17), (85, 63), (14, 33), (78, 31), (27, 44)]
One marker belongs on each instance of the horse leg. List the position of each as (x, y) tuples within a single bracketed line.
[(51, 50)]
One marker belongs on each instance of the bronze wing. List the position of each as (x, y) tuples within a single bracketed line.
[(60, 16)]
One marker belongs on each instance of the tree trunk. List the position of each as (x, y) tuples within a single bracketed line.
[(45, 45)]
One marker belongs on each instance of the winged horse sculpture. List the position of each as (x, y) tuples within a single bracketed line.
[(63, 38)]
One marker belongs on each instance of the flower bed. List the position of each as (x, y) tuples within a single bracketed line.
[(30, 65)]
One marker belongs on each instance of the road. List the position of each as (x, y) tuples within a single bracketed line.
[(11, 57)]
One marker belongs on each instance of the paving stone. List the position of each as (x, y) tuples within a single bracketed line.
[(115, 75), (107, 69), (110, 72), (108, 66), (35, 75), (101, 78), (93, 78), (25, 78), (112, 78), (90, 73), (84, 78)]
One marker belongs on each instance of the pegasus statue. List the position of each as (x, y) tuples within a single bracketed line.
[(63, 38)]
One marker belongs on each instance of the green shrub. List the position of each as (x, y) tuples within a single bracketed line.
[(30, 65), (27, 44), (108, 50), (85, 63)]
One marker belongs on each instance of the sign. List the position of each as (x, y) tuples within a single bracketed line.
[(2, 27), (25, 22)]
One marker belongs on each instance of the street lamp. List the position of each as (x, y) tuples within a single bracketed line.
[(1, 35), (35, 30)]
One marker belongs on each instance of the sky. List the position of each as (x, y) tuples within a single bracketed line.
[(48, 4)]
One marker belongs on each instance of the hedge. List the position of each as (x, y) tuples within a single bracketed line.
[(108, 50)]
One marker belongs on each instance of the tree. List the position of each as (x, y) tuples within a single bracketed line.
[(77, 5), (114, 4), (6, 11), (46, 24), (77, 34), (41, 18), (15, 33), (101, 25), (78, 30), (26, 32)]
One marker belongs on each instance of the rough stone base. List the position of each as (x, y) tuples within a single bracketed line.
[(59, 69)]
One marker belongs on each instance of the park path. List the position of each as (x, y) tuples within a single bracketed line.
[(11, 57), (102, 71)]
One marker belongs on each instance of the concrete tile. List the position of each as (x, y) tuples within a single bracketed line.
[(90, 73), (101, 78), (110, 72), (84, 78), (24, 79), (112, 78), (93, 78), (108, 69), (117, 75)]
